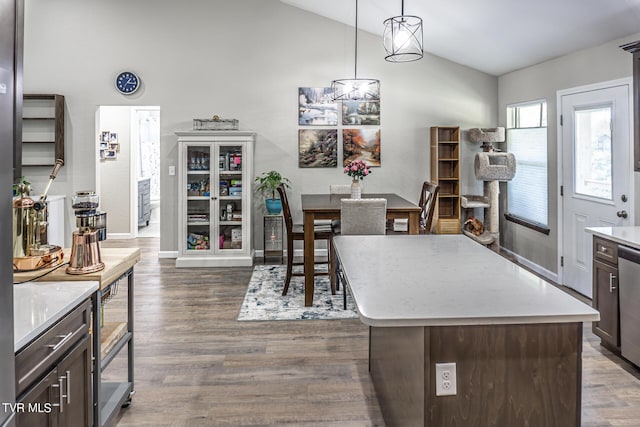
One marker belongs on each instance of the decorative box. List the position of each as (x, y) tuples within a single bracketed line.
[(215, 123)]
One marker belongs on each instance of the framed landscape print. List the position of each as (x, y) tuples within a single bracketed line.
[(318, 148), (360, 113), (361, 144), (316, 107)]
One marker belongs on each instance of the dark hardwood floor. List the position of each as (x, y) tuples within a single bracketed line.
[(195, 365)]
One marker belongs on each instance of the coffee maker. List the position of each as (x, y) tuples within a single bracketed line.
[(92, 227), (31, 249)]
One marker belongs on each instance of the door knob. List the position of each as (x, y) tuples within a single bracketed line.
[(621, 214)]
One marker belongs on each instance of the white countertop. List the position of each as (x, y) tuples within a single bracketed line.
[(38, 305), (629, 236), (440, 280)]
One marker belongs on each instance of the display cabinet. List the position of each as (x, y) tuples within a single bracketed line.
[(445, 170), (272, 233), (214, 190)]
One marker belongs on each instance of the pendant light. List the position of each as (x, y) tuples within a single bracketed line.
[(403, 38), (356, 89)]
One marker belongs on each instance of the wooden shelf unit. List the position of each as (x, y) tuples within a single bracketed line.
[(445, 170), (42, 129)]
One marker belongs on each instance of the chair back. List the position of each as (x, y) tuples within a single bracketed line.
[(286, 211), (339, 188), (428, 198), (363, 216)]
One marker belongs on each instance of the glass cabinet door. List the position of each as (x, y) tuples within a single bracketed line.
[(198, 215), (229, 201)]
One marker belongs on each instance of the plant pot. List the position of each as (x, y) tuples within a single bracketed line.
[(274, 206)]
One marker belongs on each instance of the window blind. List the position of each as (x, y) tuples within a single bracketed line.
[(527, 192)]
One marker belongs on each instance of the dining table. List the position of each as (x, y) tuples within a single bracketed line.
[(327, 206)]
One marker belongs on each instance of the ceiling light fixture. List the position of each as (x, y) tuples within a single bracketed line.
[(356, 89), (403, 38)]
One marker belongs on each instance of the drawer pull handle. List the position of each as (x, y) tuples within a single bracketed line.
[(68, 387), (64, 339), (612, 277), (604, 249), (60, 403)]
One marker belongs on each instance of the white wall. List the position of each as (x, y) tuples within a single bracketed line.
[(241, 59), (114, 187), (594, 65)]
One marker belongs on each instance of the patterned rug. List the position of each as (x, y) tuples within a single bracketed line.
[(264, 300)]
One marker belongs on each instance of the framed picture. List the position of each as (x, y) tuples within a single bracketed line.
[(104, 145), (316, 107), (114, 146), (361, 113), (317, 148), (103, 154), (110, 154), (361, 144), (113, 137), (104, 136)]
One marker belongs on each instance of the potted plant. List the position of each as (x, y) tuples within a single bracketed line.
[(268, 183)]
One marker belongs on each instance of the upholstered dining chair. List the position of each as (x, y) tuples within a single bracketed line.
[(427, 203), (361, 217), (339, 188), (296, 232)]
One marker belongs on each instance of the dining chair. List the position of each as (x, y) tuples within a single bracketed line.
[(361, 217), (296, 232), (427, 203), (339, 188)]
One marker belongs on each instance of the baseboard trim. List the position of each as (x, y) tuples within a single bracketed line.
[(119, 236), (168, 254), (547, 274)]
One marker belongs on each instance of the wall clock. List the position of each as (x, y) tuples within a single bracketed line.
[(127, 82)]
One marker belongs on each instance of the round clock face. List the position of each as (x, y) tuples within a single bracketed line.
[(127, 82)]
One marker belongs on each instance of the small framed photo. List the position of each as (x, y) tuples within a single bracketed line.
[(113, 137), (104, 136), (103, 154), (110, 154), (104, 145), (114, 146)]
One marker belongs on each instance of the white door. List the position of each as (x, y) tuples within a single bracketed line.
[(596, 174)]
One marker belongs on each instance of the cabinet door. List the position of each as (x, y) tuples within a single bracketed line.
[(230, 185), (38, 410), (605, 300), (75, 372), (197, 165)]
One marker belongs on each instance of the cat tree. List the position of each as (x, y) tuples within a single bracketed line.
[(491, 167)]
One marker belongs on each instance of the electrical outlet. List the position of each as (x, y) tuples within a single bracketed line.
[(446, 379), (172, 170)]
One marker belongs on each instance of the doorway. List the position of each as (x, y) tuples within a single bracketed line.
[(128, 170), (595, 173)]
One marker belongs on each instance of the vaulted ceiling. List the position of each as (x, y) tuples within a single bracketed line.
[(495, 36)]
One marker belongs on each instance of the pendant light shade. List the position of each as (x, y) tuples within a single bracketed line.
[(356, 89), (403, 38)]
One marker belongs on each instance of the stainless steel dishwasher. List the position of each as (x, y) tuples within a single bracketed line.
[(629, 293)]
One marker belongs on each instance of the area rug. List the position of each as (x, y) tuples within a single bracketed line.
[(264, 300)]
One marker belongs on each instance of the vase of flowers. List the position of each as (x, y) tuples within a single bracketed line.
[(357, 170)]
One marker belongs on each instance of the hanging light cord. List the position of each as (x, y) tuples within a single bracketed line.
[(355, 62)]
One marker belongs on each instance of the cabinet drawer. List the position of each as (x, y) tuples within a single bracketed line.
[(605, 250), (38, 357)]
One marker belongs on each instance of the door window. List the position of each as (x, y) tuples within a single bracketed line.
[(593, 156)]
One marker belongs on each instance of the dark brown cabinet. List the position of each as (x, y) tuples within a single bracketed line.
[(605, 292), (42, 129), (54, 387)]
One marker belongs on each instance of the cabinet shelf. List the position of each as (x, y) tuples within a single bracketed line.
[(445, 171), (42, 129)]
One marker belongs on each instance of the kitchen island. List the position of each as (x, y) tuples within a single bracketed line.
[(108, 338), (515, 340)]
